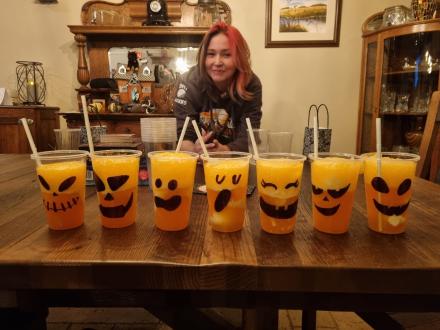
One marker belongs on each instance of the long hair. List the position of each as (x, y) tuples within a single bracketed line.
[(240, 54)]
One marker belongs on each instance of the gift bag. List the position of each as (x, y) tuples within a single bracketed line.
[(324, 133)]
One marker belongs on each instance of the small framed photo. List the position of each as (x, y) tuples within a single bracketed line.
[(303, 23)]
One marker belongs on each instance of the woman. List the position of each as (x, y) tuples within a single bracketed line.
[(219, 93)]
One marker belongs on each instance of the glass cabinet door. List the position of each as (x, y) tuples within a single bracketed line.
[(368, 106), (410, 73)]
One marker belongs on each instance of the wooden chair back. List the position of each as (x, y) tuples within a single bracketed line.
[(428, 165)]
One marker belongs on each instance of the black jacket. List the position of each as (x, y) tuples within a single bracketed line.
[(193, 100)]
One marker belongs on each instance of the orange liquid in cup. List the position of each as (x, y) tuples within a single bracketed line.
[(172, 181), (116, 181), (226, 184), (62, 186), (279, 184), (334, 181), (389, 195)]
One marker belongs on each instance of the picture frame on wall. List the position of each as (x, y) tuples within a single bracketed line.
[(303, 23)]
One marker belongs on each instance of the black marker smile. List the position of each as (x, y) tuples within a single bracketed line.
[(168, 204), (328, 211), (116, 211), (53, 206), (278, 212), (390, 210)]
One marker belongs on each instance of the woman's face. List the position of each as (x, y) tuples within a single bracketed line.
[(219, 63)]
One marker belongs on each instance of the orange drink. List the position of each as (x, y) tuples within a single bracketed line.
[(279, 183), (172, 180), (116, 180), (388, 190), (226, 177), (334, 181), (62, 177)]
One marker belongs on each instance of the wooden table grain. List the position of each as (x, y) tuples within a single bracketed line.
[(143, 266)]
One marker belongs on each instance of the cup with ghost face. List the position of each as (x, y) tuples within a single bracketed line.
[(226, 178), (61, 175), (116, 175)]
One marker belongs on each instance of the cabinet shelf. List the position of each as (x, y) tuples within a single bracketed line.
[(102, 30), (407, 114), (411, 71)]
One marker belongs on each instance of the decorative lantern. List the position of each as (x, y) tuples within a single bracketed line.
[(31, 86)]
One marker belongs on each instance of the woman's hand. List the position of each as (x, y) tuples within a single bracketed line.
[(206, 137), (219, 147)]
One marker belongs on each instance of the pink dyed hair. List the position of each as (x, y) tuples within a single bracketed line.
[(240, 54)]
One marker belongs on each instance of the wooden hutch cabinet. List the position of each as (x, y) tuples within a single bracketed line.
[(95, 40), (400, 71)]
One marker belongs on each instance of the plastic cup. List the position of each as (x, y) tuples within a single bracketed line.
[(388, 194), (279, 183), (172, 180), (334, 181), (62, 178), (67, 138), (116, 180), (280, 141), (226, 177), (261, 139)]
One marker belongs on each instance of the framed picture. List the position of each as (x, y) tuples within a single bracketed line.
[(303, 23)]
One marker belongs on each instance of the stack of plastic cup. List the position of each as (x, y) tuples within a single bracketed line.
[(67, 139), (159, 133)]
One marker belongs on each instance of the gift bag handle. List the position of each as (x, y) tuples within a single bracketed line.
[(317, 108)]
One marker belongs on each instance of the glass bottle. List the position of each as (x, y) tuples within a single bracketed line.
[(206, 13)]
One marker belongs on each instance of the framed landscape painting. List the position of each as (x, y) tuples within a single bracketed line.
[(303, 23)]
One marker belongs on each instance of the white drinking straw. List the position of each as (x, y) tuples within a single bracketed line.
[(379, 161), (378, 145), (251, 134), (182, 134), (87, 122), (315, 136), (196, 128), (31, 140)]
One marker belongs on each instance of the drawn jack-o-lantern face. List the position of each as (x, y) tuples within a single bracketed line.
[(60, 195), (389, 197), (171, 203), (328, 200), (275, 193), (226, 183), (117, 200)]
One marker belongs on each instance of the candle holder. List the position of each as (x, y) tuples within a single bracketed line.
[(31, 86)]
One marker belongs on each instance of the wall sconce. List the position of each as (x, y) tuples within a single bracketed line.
[(31, 86)]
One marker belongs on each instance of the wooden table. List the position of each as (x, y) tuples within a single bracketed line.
[(143, 266)]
